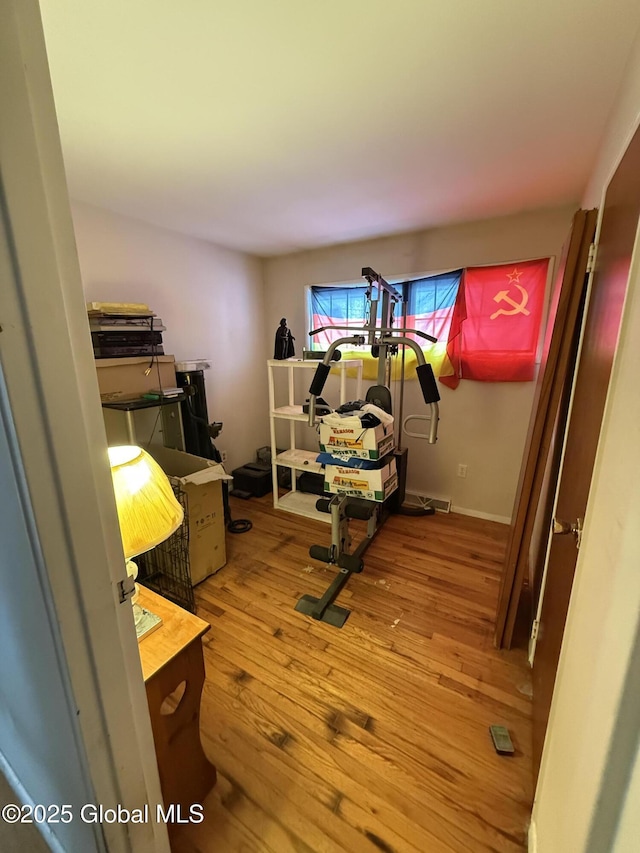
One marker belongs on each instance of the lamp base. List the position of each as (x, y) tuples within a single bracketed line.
[(146, 622)]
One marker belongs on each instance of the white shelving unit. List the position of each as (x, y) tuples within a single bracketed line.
[(295, 458)]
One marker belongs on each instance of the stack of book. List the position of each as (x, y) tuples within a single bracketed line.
[(124, 330)]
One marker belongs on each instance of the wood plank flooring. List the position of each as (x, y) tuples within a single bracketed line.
[(373, 737)]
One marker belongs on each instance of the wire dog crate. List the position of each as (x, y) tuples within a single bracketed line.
[(165, 569)]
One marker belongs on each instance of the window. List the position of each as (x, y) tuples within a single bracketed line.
[(429, 303), (336, 306)]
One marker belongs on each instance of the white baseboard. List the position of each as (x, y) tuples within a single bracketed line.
[(440, 503), (532, 838), (476, 513)]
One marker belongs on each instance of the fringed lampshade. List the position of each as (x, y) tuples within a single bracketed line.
[(147, 509)]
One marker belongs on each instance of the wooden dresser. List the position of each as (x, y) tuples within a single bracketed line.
[(173, 669)]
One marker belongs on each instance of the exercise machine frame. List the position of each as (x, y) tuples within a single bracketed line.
[(384, 340)]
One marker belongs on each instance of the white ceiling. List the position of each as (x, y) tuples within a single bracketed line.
[(274, 125)]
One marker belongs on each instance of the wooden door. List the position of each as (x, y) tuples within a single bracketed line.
[(617, 238), (547, 418)]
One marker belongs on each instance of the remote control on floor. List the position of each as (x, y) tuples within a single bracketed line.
[(501, 740)]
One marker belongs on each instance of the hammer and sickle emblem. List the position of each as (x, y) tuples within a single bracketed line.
[(516, 307)]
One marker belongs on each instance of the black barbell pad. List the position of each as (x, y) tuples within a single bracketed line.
[(317, 552), (428, 384), (323, 505), (319, 378), (360, 509)]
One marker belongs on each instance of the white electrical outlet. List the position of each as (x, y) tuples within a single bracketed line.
[(462, 470), (223, 456)]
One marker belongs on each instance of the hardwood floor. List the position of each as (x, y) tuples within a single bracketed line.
[(373, 737)]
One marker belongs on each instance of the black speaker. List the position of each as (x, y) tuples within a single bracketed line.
[(195, 418)]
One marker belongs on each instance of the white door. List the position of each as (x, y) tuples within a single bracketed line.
[(83, 692)]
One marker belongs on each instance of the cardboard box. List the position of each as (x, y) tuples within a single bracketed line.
[(373, 485), (127, 379), (372, 443), (201, 479)]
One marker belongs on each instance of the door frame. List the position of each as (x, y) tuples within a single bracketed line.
[(533, 639), (548, 419), (47, 362)]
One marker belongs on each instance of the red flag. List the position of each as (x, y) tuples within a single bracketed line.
[(496, 323)]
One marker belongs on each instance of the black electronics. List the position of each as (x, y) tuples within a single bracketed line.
[(318, 355), (128, 352), (253, 477), (195, 418), (199, 435), (122, 344), (239, 493)]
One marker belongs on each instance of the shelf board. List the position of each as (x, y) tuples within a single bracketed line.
[(313, 362), (301, 460), (302, 503), (142, 403), (290, 413)]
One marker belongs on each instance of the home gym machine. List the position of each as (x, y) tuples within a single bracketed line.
[(384, 339)]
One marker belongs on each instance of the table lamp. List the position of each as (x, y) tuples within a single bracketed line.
[(148, 513)]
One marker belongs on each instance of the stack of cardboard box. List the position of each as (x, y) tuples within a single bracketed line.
[(354, 443)]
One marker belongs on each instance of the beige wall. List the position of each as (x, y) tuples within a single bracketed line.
[(482, 425), (211, 301), (591, 743)]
